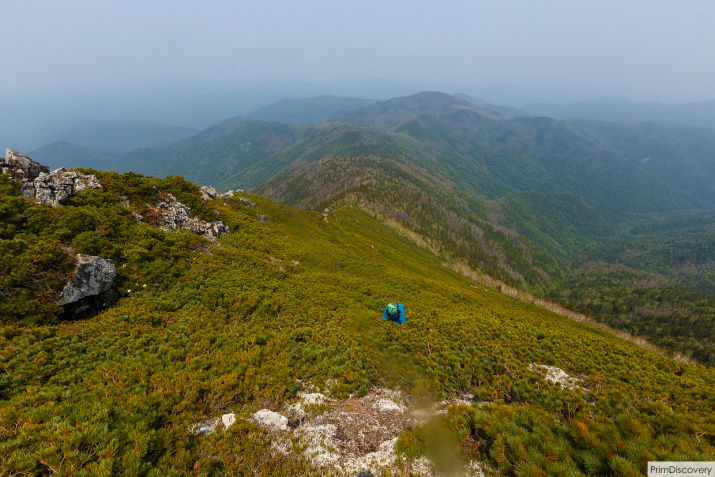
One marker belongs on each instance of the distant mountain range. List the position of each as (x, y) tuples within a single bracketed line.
[(701, 113), (306, 111), (529, 200)]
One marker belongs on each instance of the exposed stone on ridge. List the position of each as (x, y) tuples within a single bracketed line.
[(205, 428), (246, 202), (42, 185), (170, 214), (20, 168), (209, 193), (93, 277), (55, 187)]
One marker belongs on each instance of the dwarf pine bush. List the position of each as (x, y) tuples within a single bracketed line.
[(245, 325)]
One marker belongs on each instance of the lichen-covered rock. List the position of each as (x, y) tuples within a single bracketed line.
[(209, 193), (557, 376), (93, 276), (205, 428), (42, 185), (55, 187), (270, 419), (20, 168), (170, 214), (247, 202)]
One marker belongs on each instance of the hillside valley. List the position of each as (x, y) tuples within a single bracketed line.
[(285, 306), (612, 220)]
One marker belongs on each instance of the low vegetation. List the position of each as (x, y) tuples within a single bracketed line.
[(201, 329)]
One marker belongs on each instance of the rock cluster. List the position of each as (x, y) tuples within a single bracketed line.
[(93, 277), (20, 168), (55, 187), (170, 214), (41, 184), (209, 193)]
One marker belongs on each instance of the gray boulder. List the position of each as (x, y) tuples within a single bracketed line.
[(269, 419), (20, 168), (55, 187), (42, 185), (246, 201), (209, 193), (93, 277), (170, 214)]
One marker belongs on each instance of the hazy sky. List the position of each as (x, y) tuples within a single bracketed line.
[(638, 49)]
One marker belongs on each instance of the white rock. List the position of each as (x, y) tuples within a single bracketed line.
[(312, 398), (270, 419), (557, 375), (387, 405), (21, 168), (247, 202), (228, 419)]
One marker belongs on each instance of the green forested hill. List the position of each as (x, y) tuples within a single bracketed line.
[(216, 153), (494, 156), (542, 204), (528, 200), (59, 154), (681, 156), (292, 302)]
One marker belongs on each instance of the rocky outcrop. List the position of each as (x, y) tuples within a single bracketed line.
[(209, 193), (21, 168), (55, 187), (170, 214), (42, 185), (247, 202), (91, 284)]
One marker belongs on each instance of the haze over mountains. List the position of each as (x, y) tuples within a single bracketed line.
[(615, 221), (527, 199)]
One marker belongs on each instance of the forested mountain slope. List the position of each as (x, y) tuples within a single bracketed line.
[(545, 205), (215, 153), (530, 200), (682, 156), (291, 301), (494, 157)]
